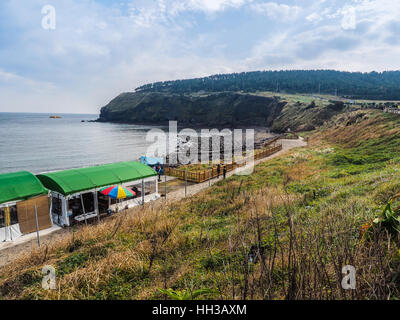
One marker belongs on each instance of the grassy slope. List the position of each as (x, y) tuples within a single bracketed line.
[(300, 214), (305, 117)]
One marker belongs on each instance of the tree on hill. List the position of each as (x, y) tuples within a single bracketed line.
[(354, 85)]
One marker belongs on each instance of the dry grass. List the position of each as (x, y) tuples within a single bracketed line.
[(295, 255), (349, 129), (246, 238)]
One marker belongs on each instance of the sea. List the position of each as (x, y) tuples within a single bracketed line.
[(37, 143)]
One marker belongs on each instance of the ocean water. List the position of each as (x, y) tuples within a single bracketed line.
[(36, 143)]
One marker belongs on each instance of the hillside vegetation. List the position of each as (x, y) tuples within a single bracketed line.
[(354, 85), (227, 109), (277, 99), (305, 117), (284, 232)]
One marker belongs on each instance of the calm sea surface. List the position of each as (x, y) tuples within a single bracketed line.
[(36, 143)]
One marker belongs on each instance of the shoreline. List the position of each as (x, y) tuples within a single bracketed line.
[(184, 125), (261, 135)]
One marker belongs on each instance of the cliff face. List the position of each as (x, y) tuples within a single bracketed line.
[(217, 109)]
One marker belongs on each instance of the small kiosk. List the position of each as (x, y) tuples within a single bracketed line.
[(24, 205), (75, 193)]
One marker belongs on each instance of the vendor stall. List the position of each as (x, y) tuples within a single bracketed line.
[(76, 197), (23, 202)]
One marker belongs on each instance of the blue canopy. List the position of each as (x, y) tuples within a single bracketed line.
[(151, 161)]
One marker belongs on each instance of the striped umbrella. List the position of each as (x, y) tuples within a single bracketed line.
[(118, 192)]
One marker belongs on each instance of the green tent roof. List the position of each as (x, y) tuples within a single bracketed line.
[(76, 180), (19, 186)]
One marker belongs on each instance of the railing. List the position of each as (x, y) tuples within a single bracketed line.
[(392, 110), (263, 153), (273, 141), (205, 175)]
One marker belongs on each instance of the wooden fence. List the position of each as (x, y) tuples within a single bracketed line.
[(205, 175), (392, 110), (273, 141)]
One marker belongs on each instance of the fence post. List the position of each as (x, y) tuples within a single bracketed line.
[(7, 223), (37, 226), (96, 204), (165, 178), (143, 192), (185, 182), (83, 208)]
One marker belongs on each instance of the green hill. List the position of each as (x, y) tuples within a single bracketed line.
[(227, 109), (354, 85)]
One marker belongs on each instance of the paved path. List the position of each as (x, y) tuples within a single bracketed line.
[(11, 250), (287, 144)]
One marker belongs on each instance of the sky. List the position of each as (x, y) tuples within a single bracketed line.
[(74, 56)]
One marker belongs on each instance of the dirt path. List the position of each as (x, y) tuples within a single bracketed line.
[(10, 251)]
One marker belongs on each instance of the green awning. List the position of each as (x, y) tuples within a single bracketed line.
[(19, 186), (76, 180)]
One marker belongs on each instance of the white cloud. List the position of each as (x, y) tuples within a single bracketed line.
[(277, 11), (96, 52), (173, 8), (349, 20), (353, 38), (215, 5), (314, 17), (13, 80)]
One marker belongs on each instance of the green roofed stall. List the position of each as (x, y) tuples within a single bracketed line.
[(19, 186), (77, 180)]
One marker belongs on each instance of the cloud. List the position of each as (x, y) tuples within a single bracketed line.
[(214, 5), (101, 48), (349, 20), (175, 7), (277, 11), (356, 37), (314, 17), (11, 80)]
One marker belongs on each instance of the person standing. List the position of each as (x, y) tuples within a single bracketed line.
[(158, 170), (218, 170), (224, 172)]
